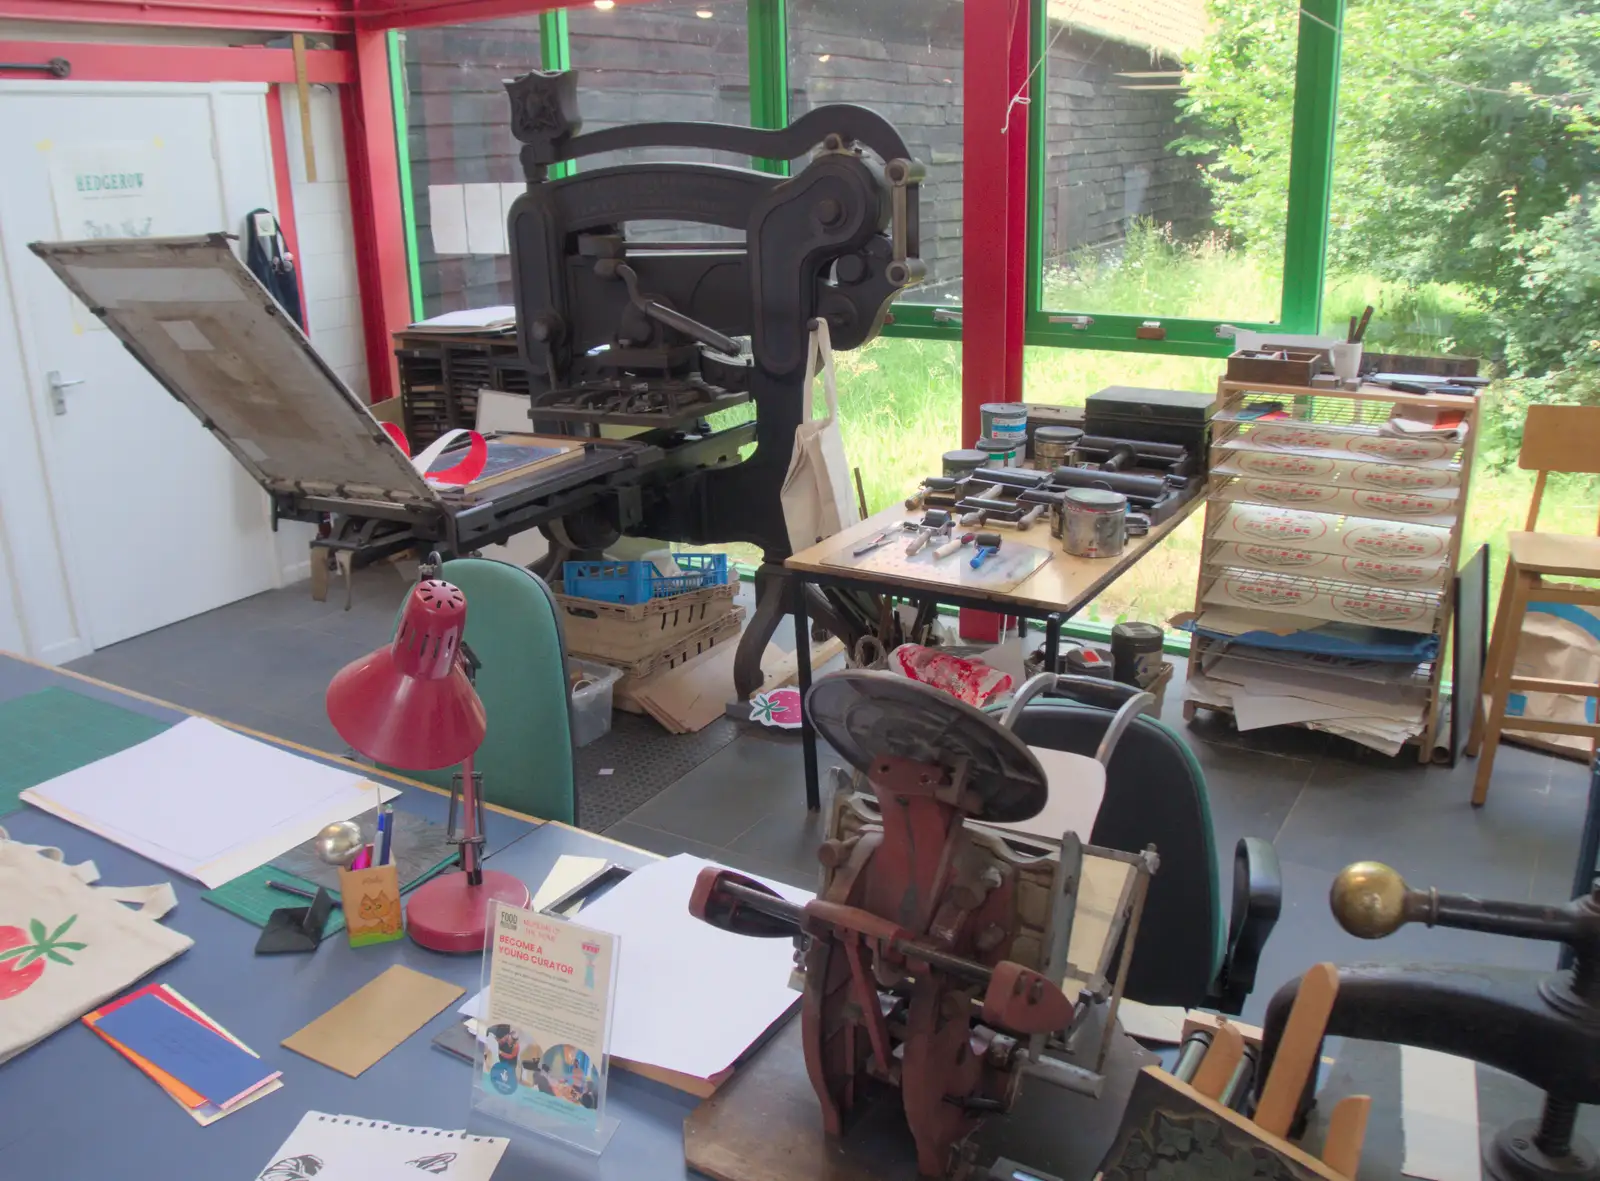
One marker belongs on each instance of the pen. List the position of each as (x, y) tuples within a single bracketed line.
[(287, 888), (385, 836)]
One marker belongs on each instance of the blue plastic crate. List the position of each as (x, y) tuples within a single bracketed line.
[(639, 582)]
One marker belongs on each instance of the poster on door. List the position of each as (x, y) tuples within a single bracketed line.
[(107, 190)]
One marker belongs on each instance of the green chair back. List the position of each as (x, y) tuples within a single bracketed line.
[(515, 631)]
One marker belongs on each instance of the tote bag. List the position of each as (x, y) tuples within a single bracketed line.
[(816, 492), (66, 946)]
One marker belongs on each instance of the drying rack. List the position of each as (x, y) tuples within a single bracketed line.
[(1327, 458)]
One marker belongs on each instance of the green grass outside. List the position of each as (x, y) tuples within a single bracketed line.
[(900, 398)]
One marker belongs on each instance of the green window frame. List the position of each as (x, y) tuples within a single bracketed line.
[(1305, 236)]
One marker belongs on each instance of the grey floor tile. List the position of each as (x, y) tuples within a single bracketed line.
[(727, 793)]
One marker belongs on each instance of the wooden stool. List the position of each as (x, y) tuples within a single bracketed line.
[(1559, 439)]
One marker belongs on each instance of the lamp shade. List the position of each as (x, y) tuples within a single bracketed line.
[(410, 705)]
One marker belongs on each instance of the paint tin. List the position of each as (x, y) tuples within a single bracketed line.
[(1094, 522), (999, 452), (1005, 421), (1055, 446), (1136, 653), (960, 464)]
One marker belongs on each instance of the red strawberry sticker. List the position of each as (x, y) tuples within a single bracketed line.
[(23, 954), (779, 709)]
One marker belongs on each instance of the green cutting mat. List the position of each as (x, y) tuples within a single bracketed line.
[(54, 731), (249, 896)]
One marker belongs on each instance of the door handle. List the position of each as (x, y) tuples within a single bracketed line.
[(58, 390)]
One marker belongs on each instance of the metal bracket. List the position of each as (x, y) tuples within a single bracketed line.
[(56, 67), (1081, 323)]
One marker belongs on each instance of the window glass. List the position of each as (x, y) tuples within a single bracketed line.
[(642, 63), (1466, 212), (1162, 583), (1168, 128), (902, 59), (458, 134)]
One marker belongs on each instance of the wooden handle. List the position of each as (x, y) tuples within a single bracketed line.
[(1220, 1062), (1297, 1050), (302, 88), (1347, 1132)]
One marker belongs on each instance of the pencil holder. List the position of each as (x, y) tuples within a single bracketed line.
[(371, 900)]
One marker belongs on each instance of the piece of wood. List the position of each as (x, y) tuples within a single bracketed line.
[(302, 88), (1220, 1062), (1561, 439), (1563, 555), (1199, 1019), (1169, 1129), (1297, 1050), (1347, 1132)]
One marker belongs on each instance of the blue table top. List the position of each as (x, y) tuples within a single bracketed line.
[(71, 1108)]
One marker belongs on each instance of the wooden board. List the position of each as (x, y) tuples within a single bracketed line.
[(1013, 564), (1064, 583), (693, 695)]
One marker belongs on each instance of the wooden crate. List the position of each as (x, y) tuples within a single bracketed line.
[(621, 633), (680, 650)]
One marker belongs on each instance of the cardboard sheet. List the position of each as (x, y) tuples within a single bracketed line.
[(373, 1020)]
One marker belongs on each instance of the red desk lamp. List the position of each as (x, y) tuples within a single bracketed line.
[(412, 705)]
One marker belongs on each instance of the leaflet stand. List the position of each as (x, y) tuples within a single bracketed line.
[(544, 1027)]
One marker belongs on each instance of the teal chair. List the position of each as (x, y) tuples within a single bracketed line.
[(515, 631)]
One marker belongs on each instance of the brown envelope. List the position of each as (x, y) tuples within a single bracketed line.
[(374, 1019)]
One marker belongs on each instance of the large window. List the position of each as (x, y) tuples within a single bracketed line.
[(1466, 211), (1140, 134), (901, 58), (463, 162)]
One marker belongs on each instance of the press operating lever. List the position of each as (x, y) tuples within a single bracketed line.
[(662, 314)]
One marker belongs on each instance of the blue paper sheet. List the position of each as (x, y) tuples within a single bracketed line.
[(1355, 641), (196, 1056)]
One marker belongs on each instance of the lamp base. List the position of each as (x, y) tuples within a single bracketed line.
[(446, 914)]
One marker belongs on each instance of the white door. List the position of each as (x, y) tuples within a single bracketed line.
[(154, 519)]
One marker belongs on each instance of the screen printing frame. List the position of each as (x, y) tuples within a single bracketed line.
[(206, 329)]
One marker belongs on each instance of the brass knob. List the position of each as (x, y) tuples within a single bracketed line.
[(1369, 899)]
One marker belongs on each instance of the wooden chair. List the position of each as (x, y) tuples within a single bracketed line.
[(1555, 439)]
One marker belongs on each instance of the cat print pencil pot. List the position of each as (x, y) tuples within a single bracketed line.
[(371, 900)]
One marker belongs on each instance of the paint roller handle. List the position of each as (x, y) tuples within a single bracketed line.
[(951, 546)]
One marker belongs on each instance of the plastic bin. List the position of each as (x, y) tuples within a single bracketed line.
[(591, 686), (639, 582)]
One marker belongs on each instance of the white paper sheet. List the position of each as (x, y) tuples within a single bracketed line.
[(689, 998), (206, 801), (469, 320), (1152, 1023), (350, 1148), (486, 228), (1077, 786), (1439, 1115), (570, 871), (1254, 712), (447, 218)]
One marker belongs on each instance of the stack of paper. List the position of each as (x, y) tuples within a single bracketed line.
[(1378, 705), (206, 801), (204, 1068), (690, 998), (349, 1148), (473, 321), (1421, 422)]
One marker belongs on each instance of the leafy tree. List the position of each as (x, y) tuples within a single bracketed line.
[(1468, 153)]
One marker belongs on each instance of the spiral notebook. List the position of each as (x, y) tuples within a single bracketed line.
[(349, 1148)]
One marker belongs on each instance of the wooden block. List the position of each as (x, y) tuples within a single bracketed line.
[(1298, 1049), (1170, 1130), (1347, 1132), (1221, 1060), (1211, 1022)]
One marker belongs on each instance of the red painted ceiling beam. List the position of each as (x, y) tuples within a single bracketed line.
[(98, 61), (298, 16), (409, 14)]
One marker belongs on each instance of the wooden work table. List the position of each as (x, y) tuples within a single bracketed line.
[(1052, 594)]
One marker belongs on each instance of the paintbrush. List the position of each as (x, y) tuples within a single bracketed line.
[(1361, 328)]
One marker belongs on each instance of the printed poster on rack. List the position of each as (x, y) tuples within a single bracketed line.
[(544, 1026)]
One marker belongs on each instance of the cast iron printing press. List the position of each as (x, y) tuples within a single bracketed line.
[(623, 331)]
